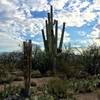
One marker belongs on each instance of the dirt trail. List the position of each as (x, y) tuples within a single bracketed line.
[(38, 81), (41, 81), (87, 96)]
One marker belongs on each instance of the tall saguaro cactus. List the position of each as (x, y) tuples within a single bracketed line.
[(50, 39)]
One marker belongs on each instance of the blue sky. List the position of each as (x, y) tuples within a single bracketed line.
[(23, 19)]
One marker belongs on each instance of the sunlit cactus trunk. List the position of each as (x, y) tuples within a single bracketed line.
[(50, 39), (27, 49)]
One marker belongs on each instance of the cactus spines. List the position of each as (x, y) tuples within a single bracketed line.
[(51, 38)]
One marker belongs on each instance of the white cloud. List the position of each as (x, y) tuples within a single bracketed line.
[(72, 14), (58, 4), (16, 19), (6, 43), (95, 35), (34, 5), (71, 18)]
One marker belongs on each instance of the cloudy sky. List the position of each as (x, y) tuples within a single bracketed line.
[(23, 19)]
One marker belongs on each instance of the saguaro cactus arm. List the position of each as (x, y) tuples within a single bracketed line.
[(44, 40), (43, 35), (51, 14), (62, 36), (47, 34), (56, 33)]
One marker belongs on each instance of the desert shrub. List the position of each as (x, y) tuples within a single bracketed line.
[(4, 72), (17, 73), (8, 63), (6, 77), (68, 64), (45, 97), (36, 74), (9, 60), (59, 89), (83, 64), (40, 62), (90, 60), (9, 91), (68, 88), (84, 85), (18, 79), (70, 71)]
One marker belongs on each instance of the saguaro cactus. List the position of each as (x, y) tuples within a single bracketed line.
[(27, 49), (50, 39)]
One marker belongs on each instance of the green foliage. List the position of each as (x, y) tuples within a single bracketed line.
[(9, 90), (68, 63), (18, 79), (45, 97), (68, 88), (6, 77), (59, 88), (36, 74), (8, 63), (9, 60), (90, 60), (40, 62), (86, 63), (83, 86)]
